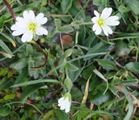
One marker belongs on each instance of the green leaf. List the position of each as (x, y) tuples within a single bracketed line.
[(6, 49), (122, 48), (100, 75), (9, 97), (133, 67), (32, 82), (103, 114), (57, 23), (48, 115), (83, 111), (101, 3), (22, 77), (97, 48), (130, 105), (8, 39), (61, 115), (27, 91), (3, 71), (6, 54), (4, 111), (130, 108), (66, 5), (29, 49), (107, 64), (98, 100), (133, 5), (123, 9), (66, 29), (68, 53), (71, 67), (19, 65)]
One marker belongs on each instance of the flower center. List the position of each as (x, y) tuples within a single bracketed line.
[(32, 26), (100, 22)]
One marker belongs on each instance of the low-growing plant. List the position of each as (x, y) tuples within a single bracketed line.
[(69, 60)]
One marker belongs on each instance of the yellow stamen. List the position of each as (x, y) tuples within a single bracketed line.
[(32, 27), (100, 22)]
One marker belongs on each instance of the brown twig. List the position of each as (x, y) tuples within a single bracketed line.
[(10, 9), (81, 2), (90, 8)]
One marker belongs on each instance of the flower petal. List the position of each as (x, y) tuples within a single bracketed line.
[(67, 106), (94, 19), (64, 103), (41, 31), (96, 13), (40, 15), (25, 14), (106, 13), (60, 100), (14, 27), (17, 33), (19, 26), (97, 29), (19, 19), (67, 109), (112, 21), (22, 25), (107, 30), (27, 36), (41, 19), (29, 15)]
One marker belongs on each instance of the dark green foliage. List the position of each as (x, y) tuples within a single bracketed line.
[(33, 76)]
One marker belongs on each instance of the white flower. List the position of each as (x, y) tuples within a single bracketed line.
[(65, 102), (29, 25), (104, 22)]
